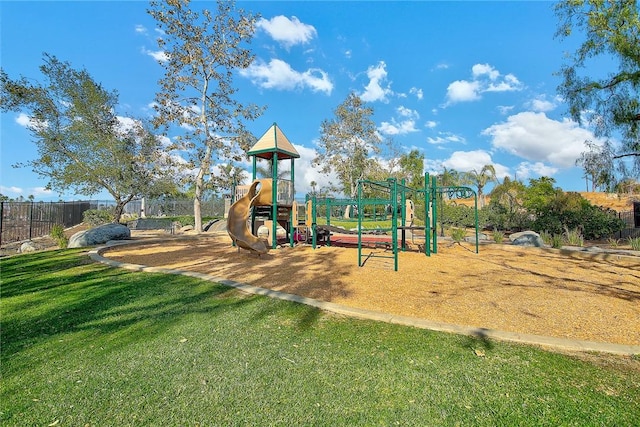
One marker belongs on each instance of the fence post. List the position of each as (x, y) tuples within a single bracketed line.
[(1, 220), (31, 221)]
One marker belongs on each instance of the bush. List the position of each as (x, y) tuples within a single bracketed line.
[(573, 237), (95, 217), (546, 237), (57, 233), (635, 243), (569, 211), (498, 236), (557, 240), (457, 234)]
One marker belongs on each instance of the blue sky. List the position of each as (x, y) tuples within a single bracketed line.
[(466, 83)]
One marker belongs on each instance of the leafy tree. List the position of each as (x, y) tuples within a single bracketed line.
[(346, 143), (628, 185), (265, 170), (230, 176), (202, 52), (539, 194), (480, 179), (82, 144), (597, 163), (412, 169), (506, 210), (611, 102)]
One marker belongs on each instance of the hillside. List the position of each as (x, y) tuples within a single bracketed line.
[(617, 202)]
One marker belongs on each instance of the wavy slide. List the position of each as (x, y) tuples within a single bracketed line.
[(239, 214)]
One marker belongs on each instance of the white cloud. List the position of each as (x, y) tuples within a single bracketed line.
[(505, 109), (10, 190), (407, 112), (141, 29), (398, 128), (462, 91), (374, 91), (527, 169), (509, 84), (402, 127), (305, 172), (485, 79), (288, 32), (277, 74), (445, 138), (479, 70), (466, 161), (417, 92), (542, 104), (431, 124), (24, 120), (537, 138), (158, 55), (41, 191)]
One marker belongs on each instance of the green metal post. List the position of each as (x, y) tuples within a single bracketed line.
[(255, 167), (274, 201), (394, 228), (327, 206), (427, 224), (435, 213), (403, 206), (359, 224), (292, 229), (475, 201), (314, 225)]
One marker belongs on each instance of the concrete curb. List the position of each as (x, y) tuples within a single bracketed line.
[(484, 333)]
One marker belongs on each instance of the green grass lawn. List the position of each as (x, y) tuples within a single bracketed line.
[(84, 344)]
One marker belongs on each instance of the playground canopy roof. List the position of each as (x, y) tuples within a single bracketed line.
[(274, 141)]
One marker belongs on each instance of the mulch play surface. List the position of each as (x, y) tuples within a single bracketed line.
[(594, 297)]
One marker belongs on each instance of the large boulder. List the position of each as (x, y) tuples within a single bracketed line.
[(99, 235), (28, 247), (527, 238)]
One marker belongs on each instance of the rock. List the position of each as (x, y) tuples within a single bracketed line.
[(186, 228), (28, 247), (150, 224), (208, 225), (472, 239), (99, 235), (527, 238)]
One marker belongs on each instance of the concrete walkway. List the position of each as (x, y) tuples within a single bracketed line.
[(539, 340)]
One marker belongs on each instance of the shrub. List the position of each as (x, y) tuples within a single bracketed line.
[(57, 233), (95, 217), (457, 234), (635, 243), (546, 237), (498, 236), (557, 240), (573, 237), (613, 242)]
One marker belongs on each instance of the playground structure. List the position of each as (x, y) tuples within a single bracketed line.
[(267, 205), (265, 213), (387, 199)]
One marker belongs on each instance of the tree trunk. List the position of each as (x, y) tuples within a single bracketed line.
[(117, 211), (197, 208)]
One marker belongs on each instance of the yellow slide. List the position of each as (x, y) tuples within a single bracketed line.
[(239, 214)]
